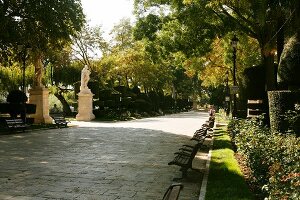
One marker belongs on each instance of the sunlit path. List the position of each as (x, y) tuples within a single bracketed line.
[(183, 123), (98, 161)]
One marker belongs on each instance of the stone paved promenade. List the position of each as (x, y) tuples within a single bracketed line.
[(98, 161)]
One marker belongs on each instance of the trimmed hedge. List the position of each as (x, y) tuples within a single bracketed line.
[(279, 103), (16, 96), (273, 158), (255, 82), (289, 70)]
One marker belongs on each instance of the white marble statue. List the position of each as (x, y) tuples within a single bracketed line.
[(85, 77), (85, 98)]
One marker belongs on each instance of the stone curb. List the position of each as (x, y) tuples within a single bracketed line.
[(206, 173)]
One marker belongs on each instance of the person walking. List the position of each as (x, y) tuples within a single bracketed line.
[(212, 111)]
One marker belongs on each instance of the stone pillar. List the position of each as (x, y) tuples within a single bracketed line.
[(40, 97), (85, 106)]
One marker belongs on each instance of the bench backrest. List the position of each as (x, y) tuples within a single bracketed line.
[(173, 192), (194, 152), (14, 121)]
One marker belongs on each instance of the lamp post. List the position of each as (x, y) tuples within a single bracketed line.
[(234, 42), (227, 97), (24, 51)]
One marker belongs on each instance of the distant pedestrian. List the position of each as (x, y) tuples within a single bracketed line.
[(212, 111), (54, 109)]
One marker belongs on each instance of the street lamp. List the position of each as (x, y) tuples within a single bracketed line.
[(24, 52), (227, 97), (234, 42)]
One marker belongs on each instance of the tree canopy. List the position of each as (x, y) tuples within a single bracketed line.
[(39, 23), (264, 20)]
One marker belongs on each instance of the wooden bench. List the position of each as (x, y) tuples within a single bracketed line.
[(200, 134), (184, 158), (173, 192), (254, 108), (60, 120), (186, 154), (15, 125), (211, 121)]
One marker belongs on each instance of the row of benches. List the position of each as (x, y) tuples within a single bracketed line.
[(185, 156), (15, 125)]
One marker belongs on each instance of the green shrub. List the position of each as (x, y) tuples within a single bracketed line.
[(289, 70), (272, 157), (284, 167), (292, 118), (142, 105), (16, 96), (255, 82), (279, 103)]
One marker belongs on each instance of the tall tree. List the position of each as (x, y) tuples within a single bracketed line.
[(89, 44), (122, 37), (258, 19), (40, 24)]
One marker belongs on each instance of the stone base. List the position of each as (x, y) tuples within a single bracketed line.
[(40, 97), (85, 106)]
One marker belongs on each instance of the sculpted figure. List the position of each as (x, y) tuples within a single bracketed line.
[(85, 77), (38, 72), (38, 76)]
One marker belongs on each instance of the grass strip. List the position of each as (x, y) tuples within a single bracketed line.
[(225, 179)]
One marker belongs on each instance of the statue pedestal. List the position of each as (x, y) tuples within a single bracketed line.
[(85, 106), (40, 97)]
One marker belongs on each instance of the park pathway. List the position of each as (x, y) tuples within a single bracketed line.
[(98, 161)]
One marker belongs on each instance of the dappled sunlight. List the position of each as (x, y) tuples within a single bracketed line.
[(185, 124), (17, 158), (126, 153), (18, 136), (226, 180)]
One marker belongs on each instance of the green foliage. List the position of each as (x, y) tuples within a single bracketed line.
[(94, 87), (279, 103), (141, 105), (16, 96), (254, 82), (66, 74), (122, 35), (289, 70), (168, 103), (272, 157), (292, 117), (40, 22), (147, 27), (53, 100), (87, 44), (216, 95), (225, 179)]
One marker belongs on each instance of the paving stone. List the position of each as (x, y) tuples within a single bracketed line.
[(99, 161)]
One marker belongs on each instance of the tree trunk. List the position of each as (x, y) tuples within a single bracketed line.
[(268, 49), (280, 37), (195, 104), (268, 63), (66, 108)]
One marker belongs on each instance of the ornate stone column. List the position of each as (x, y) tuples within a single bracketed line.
[(85, 106), (85, 98), (39, 95)]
